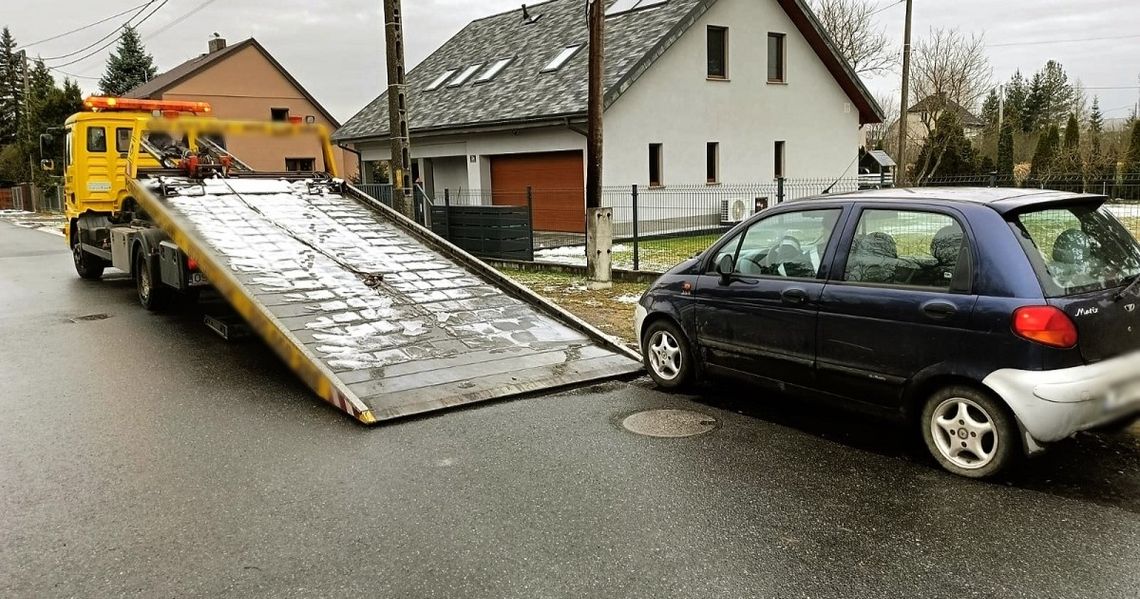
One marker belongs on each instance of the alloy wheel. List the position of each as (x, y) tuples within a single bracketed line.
[(664, 354), (964, 433)]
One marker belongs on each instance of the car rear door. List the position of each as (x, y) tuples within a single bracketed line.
[(761, 320), (900, 302)]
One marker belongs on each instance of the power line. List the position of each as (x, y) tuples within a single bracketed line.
[(112, 42), (77, 30), (105, 37), (72, 75), (179, 19), (1064, 41), (889, 6)]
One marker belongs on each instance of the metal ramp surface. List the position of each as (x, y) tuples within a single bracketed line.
[(377, 315)]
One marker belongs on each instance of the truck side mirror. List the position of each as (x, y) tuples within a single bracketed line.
[(47, 165), (46, 141)]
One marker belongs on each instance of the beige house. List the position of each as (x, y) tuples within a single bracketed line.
[(244, 81)]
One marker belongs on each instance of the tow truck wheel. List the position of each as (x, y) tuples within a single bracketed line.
[(152, 296), (88, 267)]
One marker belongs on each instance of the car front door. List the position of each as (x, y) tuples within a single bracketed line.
[(759, 318), (901, 301)]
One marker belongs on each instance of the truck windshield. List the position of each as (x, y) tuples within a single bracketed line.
[(1079, 248)]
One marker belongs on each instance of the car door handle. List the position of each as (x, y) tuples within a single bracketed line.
[(794, 296), (939, 310)]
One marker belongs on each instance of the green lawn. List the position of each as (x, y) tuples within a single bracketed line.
[(659, 255)]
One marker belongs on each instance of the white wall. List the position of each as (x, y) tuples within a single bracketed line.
[(673, 103)]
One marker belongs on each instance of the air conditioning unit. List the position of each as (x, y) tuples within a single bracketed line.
[(734, 210)]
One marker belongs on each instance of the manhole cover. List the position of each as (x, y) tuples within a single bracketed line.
[(669, 423)]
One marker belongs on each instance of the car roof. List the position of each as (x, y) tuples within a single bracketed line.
[(1000, 199)]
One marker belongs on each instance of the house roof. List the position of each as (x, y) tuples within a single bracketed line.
[(936, 102), (164, 81), (522, 93)]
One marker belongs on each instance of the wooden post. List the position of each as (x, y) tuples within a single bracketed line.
[(900, 175), (402, 186), (636, 249)]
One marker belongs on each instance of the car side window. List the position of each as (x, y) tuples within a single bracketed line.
[(788, 245), (96, 139), (906, 247)]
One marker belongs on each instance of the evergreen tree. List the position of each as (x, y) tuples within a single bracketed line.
[(1096, 126), (1072, 134), (1031, 116), (1005, 151), (11, 88), (1132, 157), (1045, 155), (129, 67), (1016, 93), (991, 109), (946, 152)]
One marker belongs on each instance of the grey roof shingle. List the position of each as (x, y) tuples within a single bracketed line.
[(521, 92)]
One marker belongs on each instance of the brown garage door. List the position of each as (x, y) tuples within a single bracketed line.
[(558, 183)]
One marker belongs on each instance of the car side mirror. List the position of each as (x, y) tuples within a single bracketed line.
[(725, 265), (47, 165), (46, 141)]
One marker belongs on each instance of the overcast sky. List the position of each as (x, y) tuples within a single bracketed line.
[(335, 47)]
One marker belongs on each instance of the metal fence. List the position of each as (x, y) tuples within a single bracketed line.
[(1125, 186)]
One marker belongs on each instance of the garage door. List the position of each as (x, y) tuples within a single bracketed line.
[(558, 183)]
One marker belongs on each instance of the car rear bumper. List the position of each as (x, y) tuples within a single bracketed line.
[(1053, 404)]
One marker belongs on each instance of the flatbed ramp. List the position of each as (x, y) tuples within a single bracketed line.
[(377, 315)]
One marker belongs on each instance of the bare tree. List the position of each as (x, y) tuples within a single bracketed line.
[(950, 70), (879, 135), (856, 37)]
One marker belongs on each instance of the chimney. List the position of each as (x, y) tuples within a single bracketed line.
[(217, 43)]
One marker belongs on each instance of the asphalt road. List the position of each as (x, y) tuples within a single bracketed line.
[(142, 456)]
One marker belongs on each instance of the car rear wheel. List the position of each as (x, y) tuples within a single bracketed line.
[(969, 433), (667, 356)]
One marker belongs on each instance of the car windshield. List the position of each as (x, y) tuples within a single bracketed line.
[(1077, 249)]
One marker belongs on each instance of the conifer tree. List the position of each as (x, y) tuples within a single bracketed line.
[(129, 67)]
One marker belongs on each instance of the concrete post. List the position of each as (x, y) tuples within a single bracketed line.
[(599, 247)]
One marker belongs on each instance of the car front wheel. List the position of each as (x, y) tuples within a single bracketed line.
[(667, 355), (969, 433)]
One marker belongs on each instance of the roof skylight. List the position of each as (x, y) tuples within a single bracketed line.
[(565, 55), (439, 80), (624, 6), (494, 69), (466, 74)]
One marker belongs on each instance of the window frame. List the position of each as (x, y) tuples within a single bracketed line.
[(300, 158), (89, 130), (564, 56), (659, 163), (712, 163), (779, 159), (443, 78), (847, 241), (492, 70), (273, 111), (782, 58), (724, 53), (826, 260)]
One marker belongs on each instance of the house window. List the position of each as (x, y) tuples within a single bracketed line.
[(464, 75), (493, 70), (776, 58), (303, 165), (279, 114), (779, 163), (123, 139), (656, 166), (441, 79), (563, 57), (718, 52), (623, 6), (712, 162)]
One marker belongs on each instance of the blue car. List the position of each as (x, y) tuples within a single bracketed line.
[(995, 320)]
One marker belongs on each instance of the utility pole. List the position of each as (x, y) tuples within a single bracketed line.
[(599, 220), (1001, 106), (401, 163), (28, 124), (901, 175)]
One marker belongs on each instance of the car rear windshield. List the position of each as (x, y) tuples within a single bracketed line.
[(1076, 249)]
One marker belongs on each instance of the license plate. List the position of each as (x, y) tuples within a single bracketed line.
[(198, 279)]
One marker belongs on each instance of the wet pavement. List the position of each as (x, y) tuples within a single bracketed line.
[(140, 455)]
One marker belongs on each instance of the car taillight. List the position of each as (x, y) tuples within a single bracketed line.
[(1046, 325), (191, 264)]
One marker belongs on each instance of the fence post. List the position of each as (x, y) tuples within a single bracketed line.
[(636, 249), (779, 190), (993, 179), (530, 218), (882, 177)]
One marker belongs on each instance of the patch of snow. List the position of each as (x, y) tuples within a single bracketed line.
[(628, 298)]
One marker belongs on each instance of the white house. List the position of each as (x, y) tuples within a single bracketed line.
[(698, 92)]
